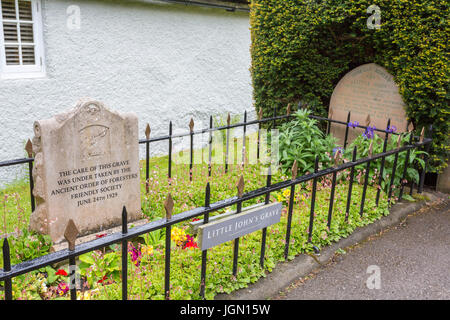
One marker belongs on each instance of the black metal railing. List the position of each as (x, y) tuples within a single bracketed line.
[(9, 271)]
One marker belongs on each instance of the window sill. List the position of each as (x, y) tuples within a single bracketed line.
[(22, 75)]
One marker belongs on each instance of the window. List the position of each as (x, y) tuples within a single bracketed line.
[(21, 45)]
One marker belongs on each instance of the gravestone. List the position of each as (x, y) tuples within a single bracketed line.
[(367, 90), (86, 169)]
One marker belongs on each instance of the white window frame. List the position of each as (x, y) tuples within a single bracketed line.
[(25, 71)]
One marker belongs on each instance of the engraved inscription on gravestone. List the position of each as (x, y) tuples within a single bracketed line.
[(86, 169), (367, 90)]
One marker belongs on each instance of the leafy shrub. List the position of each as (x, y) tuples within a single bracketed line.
[(362, 145), (301, 140), (302, 48)]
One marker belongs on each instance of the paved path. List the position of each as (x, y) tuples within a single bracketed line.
[(413, 260)]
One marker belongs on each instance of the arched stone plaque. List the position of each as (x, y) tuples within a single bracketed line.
[(367, 90)]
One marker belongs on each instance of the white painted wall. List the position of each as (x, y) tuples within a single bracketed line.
[(164, 62)]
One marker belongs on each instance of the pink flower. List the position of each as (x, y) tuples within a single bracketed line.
[(62, 288)]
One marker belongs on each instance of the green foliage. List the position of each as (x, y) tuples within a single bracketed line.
[(362, 144), (155, 238), (301, 140), (96, 265), (27, 246), (302, 48)]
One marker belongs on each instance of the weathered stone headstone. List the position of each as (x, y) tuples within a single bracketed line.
[(367, 90), (86, 169)]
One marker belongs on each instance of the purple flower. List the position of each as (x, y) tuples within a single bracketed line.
[(135, 254), (353, 124), (369, 133), (337, 149), (392, 129)]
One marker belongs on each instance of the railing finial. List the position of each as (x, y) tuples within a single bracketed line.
[(240, 186), (337, 156), (168, 205), (147, 131), (191, 125), (371, 148), (294, 170), (422, 134), (70, 234), (410, 127), (399, 140), (368, 120), (29, 148)]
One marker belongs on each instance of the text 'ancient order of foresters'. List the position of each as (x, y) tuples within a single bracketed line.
[(95, 183), (86, 169)]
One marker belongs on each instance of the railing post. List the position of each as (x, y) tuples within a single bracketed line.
[(170, 152), (29, 150), (243, 138), (350, 186), (394, 169), (191, 158), (366, 181), (260, 115), (124, 254), (426, 157), (274, 122), (346, 130), (290, 209), (204, 252), (382, 161), (147, 157), (210, 146), (240, 189), (227, 142), (168, 206), (70, 234), (330, 117), (7, 268), (264, 230), (333, 188), (313, 200), (405, 167)]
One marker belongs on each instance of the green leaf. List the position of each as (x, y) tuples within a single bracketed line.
[(87, 258)]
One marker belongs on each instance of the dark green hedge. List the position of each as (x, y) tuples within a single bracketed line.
[(302, 48)]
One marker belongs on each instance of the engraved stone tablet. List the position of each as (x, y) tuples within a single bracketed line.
[(86, 169), (367, 90)]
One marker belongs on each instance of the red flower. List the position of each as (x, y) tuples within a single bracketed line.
[(190, 243), (195, 219), (103, 279), (100, 235), (61, 272)]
